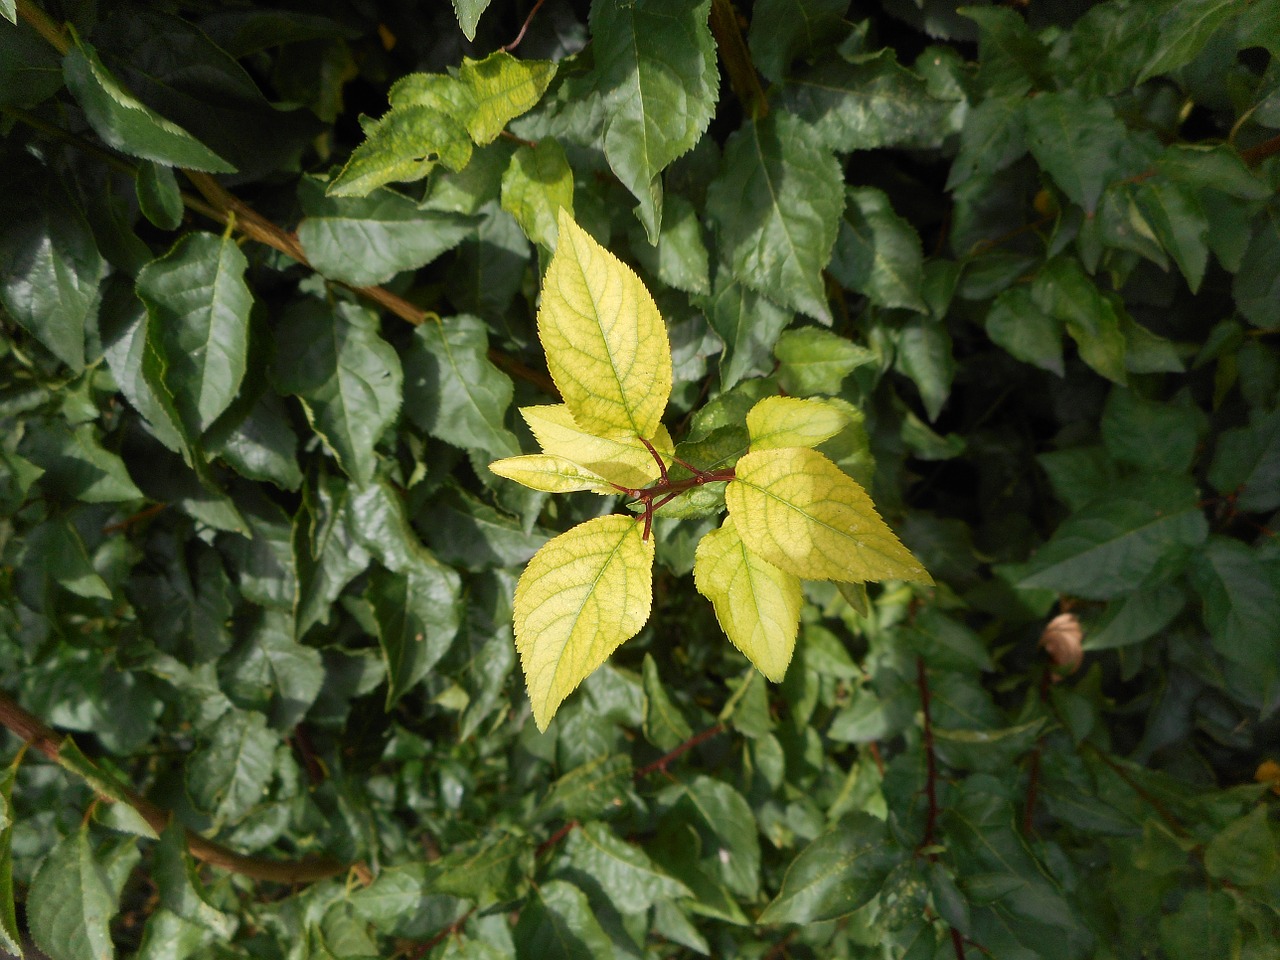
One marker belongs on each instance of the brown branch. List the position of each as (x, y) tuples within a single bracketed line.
[(39, 22), (556, 837), (931, 787), (663, 761), (737, 59), (36, 733), (422, 949), (139, 517), (524, 29), (1260, 151)]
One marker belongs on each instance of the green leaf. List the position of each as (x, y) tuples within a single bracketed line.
[(628, 877), (777, 202), (417, 618), (1063, 291), (757, 605), (263, 445), (867, 105), (1180, 223), (1256, 287), (558, 924), (453, 391), (1011, 59), (501, 88), (664, 725), (1130, 537), (726, 827), (181, 890), (835, 874), (813, 360), (9, 934), (54, 549), (656, 72), (878, 253), (994, 135), (368, 240), (76, 465), (198, 321), (784, 30), (406, 145), (1016, 324), (680, 258), (9, 10), (1247, 464), (924, 354), (796, 509), (50, 267), (1077, 140), (1244, 852), (466, 532), (159, 198), (748, 323), (468, 13), (273, 673), (581, 596), (348, 378), (1241, 604), (1202, 927), (792, 422), (228, 774), (490, 871), (606, 345), (537, 184), (1150, 434), (126, 124), (1184, 30), (71, 902), (587, 791)]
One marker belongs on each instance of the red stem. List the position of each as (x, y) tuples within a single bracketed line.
[(663, 761), (524, 29)]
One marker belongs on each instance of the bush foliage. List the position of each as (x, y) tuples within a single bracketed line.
[(269, 287)]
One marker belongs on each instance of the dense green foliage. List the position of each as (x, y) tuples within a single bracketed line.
[(252, 559)]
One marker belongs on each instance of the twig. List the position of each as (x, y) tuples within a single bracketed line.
[(931, 787), (661, 763), (36, 733), (556, 837), (138, 517), (422, 949), (41, 24), (527, 20), (1260, 151)]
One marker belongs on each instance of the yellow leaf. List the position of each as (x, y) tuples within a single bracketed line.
[(606, 344), (552, 474), (621, 458), (581, 596), (502, 88), (797, 509), (792, 422), (757, 604)]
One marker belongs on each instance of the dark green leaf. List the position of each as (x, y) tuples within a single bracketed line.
[(559, 924), (126, 124), (836, 874), (628, 877), (924, 355), (492, 870), (994, 136), (777, 202), (656, 70), (76, 466), (30, 70), (1244, 853), (184, 600), (680, 257), (724, 821), (1183, 31), (664, 725), (1257, 287), (784, 30), (1011, 59), (198, 321), (272, 673), (587, 791), (158, 195), (55, 553), (1077, 140), (1063, 291), (368, 240), (417, 617), (878, 253), (181, 890), (867, 105), (71, 901), (328, 550), (466, 532), (228, 774), (9, 934), (748, 323), (1203, 926), (1140, 530), (50, 267), (452, 389), (347, 377), (1149, 434), (1180, 223), (1241, 604), (1016, 324), (1247, 464)]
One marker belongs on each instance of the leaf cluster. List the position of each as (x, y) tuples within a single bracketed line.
[(287, 297)]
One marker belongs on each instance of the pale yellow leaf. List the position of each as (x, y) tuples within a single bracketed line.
[(581, 596), (757, 604), (502, 87), (552, 474), (792, 422), (621, 458), (797, 509), (606, 343)]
